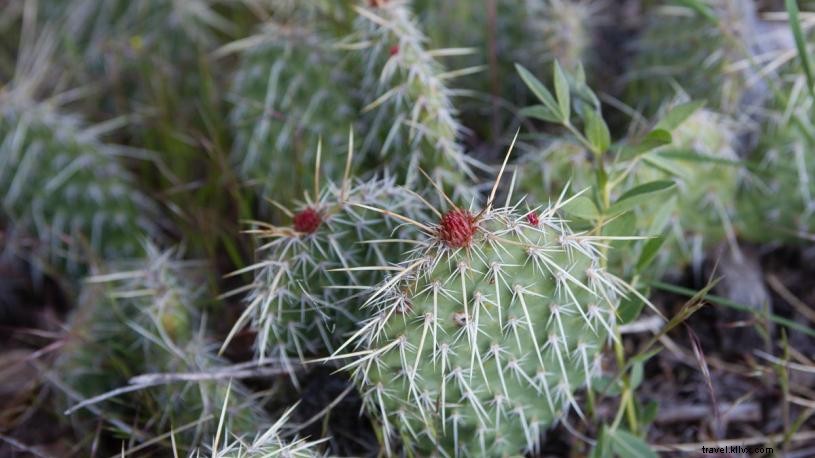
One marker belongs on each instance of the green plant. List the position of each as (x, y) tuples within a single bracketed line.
[(309, 274), (148, 322), (477, 344), (409, 101), (715, 38), (289, 94), (61, 184)]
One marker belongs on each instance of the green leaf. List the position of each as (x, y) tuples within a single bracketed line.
[(562, 92), (602, 449), (655, 139), (640, 194), (678, 115), (580, 74), (597, 132), (581, 207), (628, 445), (701, 8), (693, 156), (630, 309), (800, 43), (538, 89), (647, 413), (623, 225), (606, 385), (542, 113), (649, 252)]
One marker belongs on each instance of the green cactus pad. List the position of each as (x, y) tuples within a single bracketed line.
[(62, 184), (306, 277), (478, 344)]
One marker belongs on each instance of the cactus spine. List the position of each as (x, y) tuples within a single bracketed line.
[(265, 445), (478, 343)]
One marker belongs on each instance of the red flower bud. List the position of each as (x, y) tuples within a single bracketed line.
[(457, 228), (307, 221)]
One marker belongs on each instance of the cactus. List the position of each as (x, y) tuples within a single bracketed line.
[(409, 101), (479, 341), (703, 162), (62, 184), (289, 93), (149, 321), (107, 33), (778, 203), (306, 277), (563, 32), (710, 40)]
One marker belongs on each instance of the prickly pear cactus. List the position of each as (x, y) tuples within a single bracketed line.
[(709, 39), (479, 342), (412, 122), (703, 162), (108, 33), (563, 31), (307, 278), (148, 321), (778, 202), (61, 184), (290, 92)]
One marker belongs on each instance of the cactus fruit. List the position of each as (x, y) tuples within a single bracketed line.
[(61, 183), (149, 322), (480, 340), (703, 162), (306, 277), (289, 93)]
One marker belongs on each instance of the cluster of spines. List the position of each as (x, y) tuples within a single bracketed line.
[(436, 356), (563, 31), (269, 443)]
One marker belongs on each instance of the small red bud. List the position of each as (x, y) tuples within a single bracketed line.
[(307, 221), (533, 219), (457, 228), (394, 50)]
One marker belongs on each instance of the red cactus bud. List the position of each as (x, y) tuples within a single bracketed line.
[(533, 219), (394, 50), (457, 228), (307, 220)]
